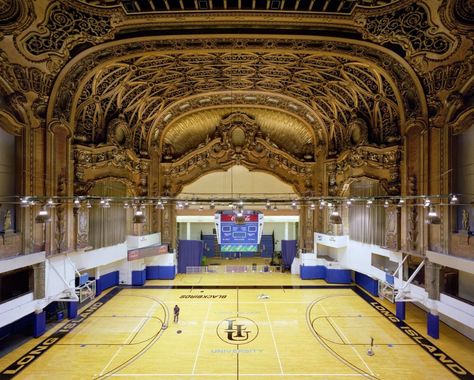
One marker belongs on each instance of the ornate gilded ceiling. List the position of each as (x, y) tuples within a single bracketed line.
[(145, 75), (142, 6), (335, 87)]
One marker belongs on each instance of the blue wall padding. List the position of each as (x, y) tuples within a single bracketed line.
[(400, 310), (23, 326), (368, 283), (108, 280), (161, 272), (39, 324), (72, 309), (138, 277), (332, 276), (338, 276), (312, 272), (433, 325)]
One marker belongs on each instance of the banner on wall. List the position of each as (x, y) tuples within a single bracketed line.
[(141, 253), (239, 233)]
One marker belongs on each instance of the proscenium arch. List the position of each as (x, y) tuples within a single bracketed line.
[(74, 74)]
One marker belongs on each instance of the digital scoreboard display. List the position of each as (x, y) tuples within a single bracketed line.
[(239, 234)]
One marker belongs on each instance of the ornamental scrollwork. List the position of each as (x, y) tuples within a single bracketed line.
[(66, 26), (238, 141), (108, 161), (332, 86), (380, 163), (410, 27)]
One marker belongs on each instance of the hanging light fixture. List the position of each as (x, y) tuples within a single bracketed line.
[(433, 217), (43, 216), (335, 218), (139, 217)]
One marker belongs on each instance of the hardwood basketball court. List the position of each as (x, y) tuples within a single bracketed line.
[(270, 326)]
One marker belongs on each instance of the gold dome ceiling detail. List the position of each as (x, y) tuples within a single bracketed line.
[(334, 85), (286, 131)]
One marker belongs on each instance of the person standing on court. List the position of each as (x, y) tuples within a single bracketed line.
[(176, 313)]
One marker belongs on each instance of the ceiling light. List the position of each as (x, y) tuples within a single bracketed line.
[(138, 217), (335, 218), (42, 216), (433, 217)]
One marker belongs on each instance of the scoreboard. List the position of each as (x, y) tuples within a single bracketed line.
[(236, 235)]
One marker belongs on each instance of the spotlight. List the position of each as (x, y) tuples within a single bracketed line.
[(293, 205), (77, 203), (51, 203), (126, 205), (201, 208), (24, 202), (454, 199), (335, 218), (88, 204), (433, 217), (313, 206), (385, 204), (42, 216), (268, 205), (427, 202), (369, 202), (401, 202), (348, 202), (138, 217), (212, 205)]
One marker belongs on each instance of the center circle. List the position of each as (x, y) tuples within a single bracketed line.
[(237, 330)]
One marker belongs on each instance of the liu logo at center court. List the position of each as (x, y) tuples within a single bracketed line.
[(237, 330)]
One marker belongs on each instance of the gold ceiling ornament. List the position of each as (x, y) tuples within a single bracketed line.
[(143, 85), (238, 140), (286, 131)]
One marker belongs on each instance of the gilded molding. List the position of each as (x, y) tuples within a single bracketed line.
[(64, 27)]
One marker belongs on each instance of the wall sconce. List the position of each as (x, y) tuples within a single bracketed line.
[(433, 217)]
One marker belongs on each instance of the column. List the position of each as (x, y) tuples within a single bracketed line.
[(432, 287), (188, 231), (286, 231)]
